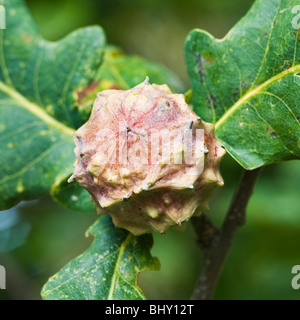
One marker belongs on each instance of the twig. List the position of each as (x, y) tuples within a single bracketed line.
[(216, 244)]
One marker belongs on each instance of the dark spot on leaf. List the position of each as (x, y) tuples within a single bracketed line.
[(86, 91), (266, 35), (199, 62), (211, 100), (115, 87), (235, 95), (244, 85), (271, 132)]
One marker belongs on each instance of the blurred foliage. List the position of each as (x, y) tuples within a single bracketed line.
[(153, 29), (46, 236), (56, 236)]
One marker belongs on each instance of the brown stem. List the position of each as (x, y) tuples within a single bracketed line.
[(215, 244)]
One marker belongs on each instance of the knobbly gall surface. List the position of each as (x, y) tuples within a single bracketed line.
[(147, 159)]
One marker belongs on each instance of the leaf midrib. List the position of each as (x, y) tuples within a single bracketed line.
[(117, 266), (35, 109), (254, 92)]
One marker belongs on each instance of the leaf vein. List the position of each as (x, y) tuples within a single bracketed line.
[(3, 62), (266, 50), (280, 100), (254, 92), (36, 77), (131, 285), (264, 121), (80, 273), (117, 266), (35, 109), (30, 164), (19, 130), (69, 79)]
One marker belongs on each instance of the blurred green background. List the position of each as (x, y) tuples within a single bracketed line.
[(37, 238)]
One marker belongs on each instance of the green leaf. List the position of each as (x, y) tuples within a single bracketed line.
[(120, 71), (72, 196), (127, 71), (248, 84), (39, 81), (107, 270)]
